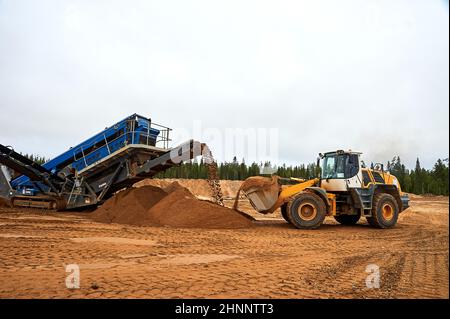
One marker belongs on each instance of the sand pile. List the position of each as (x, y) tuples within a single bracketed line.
[(199, 187), (268, 185), (259, 182), (129, 206), (173, 206)]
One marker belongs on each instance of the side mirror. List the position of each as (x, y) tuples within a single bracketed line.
[(318, 167)]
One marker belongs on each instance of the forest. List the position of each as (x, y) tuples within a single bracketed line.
[(417, 180)]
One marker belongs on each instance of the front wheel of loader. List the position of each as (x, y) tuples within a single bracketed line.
[(347, 219), (306, 211), (384, 211), (284, 213)]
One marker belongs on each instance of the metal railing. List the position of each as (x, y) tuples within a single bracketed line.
[(124, 139), (163, 136)]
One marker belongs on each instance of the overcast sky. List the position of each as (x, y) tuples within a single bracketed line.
[(372, 76)]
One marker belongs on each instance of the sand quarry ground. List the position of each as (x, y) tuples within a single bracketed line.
[(269, 260)]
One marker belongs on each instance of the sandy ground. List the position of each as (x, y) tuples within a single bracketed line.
[(272, 260)]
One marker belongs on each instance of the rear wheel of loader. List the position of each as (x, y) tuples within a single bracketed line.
[(384, 211), (284, 213), (306, 210), (347, 219)]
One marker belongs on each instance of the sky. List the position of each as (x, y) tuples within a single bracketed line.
[(302, 76)]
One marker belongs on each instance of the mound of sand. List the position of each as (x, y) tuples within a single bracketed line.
[(178, 209), (173, 206), (199, 187), (129, 206), (259, 182)]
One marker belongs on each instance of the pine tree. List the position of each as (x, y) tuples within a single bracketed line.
[(418, 181)]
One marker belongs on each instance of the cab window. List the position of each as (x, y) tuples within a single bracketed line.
[(337, 166), (352, 167)]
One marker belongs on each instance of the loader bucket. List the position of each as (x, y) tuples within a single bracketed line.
[(262, 192)]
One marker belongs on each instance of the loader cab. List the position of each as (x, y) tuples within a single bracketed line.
[(340, 170)]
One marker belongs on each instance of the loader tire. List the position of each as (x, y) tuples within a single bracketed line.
[(284, 213), (347, 219), (384, 211), (306, 210)]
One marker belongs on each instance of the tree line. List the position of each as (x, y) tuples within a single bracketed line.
[(418, 180), (36, 158), (238, 170)]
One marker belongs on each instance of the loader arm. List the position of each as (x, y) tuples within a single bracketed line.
[(266, 195), (290, 191)]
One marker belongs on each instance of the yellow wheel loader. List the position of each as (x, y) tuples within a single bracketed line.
[(345, 190)]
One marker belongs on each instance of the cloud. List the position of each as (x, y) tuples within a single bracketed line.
[(371, 76)]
